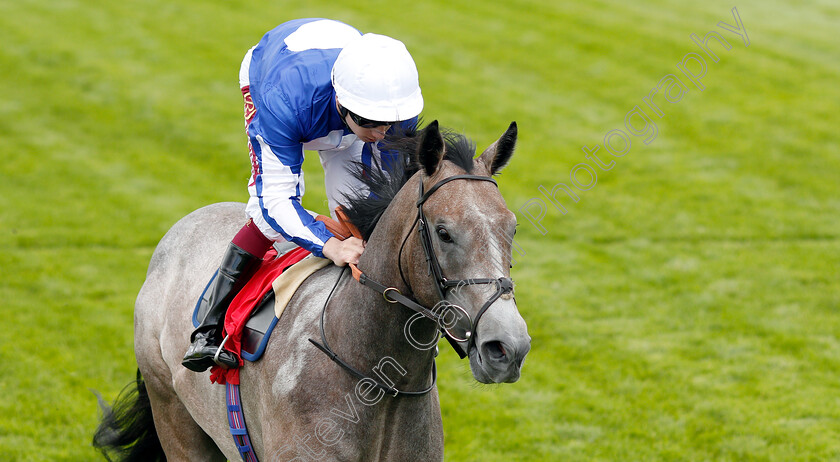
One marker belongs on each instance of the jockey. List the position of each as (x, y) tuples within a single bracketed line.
[(309, 84)]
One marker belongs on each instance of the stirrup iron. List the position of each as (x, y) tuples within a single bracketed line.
[(219, 351)]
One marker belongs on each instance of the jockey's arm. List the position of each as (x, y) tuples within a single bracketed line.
[(280, 190), (281, 184)]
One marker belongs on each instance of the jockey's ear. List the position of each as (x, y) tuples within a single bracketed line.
[(430, 151), (499, 153)]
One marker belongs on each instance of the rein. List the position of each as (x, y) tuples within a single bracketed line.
[(325, 347), (504, 285)]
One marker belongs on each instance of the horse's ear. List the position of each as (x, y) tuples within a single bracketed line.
[(499, 153), (431, 147)]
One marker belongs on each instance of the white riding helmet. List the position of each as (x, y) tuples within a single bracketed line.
[(375, 77)]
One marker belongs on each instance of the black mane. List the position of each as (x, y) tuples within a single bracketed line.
[(385, 182)]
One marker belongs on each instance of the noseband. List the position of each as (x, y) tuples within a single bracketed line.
[(443, 285)]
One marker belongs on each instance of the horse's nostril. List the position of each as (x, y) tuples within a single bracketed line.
[(495, 350)]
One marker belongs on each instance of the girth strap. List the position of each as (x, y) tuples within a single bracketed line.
[(236, 421)]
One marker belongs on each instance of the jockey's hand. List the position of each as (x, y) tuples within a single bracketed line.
[(344, 252)]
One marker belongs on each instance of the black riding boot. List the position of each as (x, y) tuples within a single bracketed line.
[(237, 266)]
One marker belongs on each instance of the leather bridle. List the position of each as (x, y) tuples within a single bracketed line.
[(504, 285)]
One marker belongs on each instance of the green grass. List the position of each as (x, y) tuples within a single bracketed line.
[(685, 309)]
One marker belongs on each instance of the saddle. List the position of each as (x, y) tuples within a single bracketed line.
[(257, 308), (258, 298)]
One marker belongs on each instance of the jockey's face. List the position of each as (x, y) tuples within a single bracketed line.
[(368, 132), (368, 135)]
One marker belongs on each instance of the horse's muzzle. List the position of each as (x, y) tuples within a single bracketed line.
[(499, 360)]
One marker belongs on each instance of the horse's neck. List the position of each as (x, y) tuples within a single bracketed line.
[(372, 330)]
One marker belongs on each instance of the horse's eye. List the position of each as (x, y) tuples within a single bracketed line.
[(443, 234)]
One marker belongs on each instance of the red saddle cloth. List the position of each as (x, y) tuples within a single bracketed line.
[(259, 284), (244, 303)]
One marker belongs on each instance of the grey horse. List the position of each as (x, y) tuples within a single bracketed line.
[(298, 403)]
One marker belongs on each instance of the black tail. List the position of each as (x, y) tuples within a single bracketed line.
[(127, 431)]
